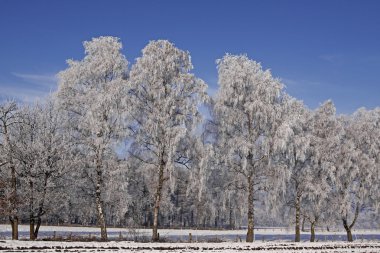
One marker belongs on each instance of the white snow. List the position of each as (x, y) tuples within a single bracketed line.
[(231, 246), (184, 233), (42, 246)]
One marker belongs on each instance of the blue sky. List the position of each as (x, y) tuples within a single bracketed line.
[(320, 49)]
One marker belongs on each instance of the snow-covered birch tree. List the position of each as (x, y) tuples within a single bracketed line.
[(295, 151), (165, 97), (198, 192), (326, 135), (90, 91), (247, 107), (356, 166)]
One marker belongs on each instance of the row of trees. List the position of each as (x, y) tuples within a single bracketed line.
[(128, 147)]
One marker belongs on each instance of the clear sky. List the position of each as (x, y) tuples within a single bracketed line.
[(320, 49)]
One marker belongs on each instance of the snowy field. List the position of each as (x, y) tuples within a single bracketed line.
[(267, 239), (123, 246), (178, 235)]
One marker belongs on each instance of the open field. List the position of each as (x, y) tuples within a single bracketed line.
[(182, 235), (177, 240)]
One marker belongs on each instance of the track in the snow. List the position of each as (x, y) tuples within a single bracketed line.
[(203, 247)]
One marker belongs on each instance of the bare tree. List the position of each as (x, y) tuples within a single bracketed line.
[(9, 119)]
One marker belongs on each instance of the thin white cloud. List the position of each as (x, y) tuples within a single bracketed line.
[(332, 58), (22, 94), (302, 83), (29, 88), (45, 80), (287, 81)]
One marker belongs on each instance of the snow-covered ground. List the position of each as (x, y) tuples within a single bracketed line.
[(267, 239), (182, 235), (115, 246)]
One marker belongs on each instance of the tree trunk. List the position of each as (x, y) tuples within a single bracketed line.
[(31, 214), (157, 200), (14, 225), (37, 229), (31, 228), (349, 236), (14, 212), (98, 196), (298, 211), (347, 227), (232, 226), (348, 230), (303, 224), (250, 233), (99, 207), (41, 207), (312, 232)]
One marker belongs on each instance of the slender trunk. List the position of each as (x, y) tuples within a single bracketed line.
[(347, 227), (298, 211), (250, 233), (13, 217), (312, 232), (303, 224), (231, 217), (198, 217), (157, 200), (41, 206), (14, 225), (349, 234), (14, 212), (31, 214), (99, 207), (31, 228), (38, 225), (101, 218)]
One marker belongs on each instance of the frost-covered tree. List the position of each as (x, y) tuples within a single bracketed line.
[(165, 97), (26, 158), (247, 107), (9, 120), (42, 150), (3, 202), (224, 196), (316, 205), (326, 135), (293, 144), (356, 166), (307, 147), (61, 160), (138, 213), (197, 195), (90, 91)]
